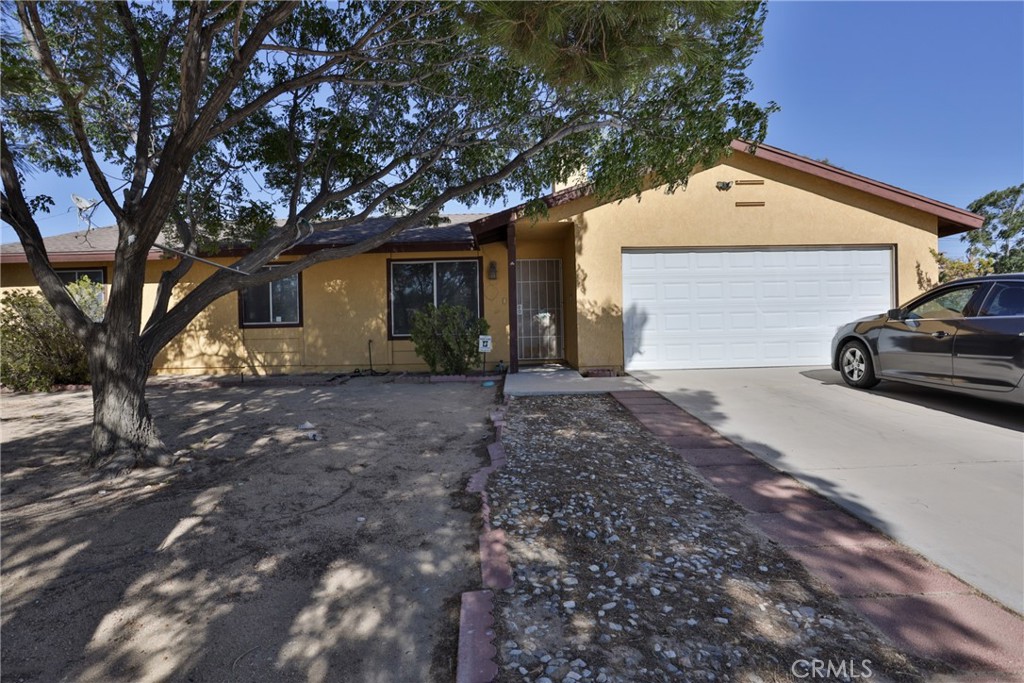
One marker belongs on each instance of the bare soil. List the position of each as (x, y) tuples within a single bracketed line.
[(262, 555)]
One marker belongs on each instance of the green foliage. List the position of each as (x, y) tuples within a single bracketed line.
[(447, 338), (38, 351), (951, 269), (441, 96), (600, 46), (89, 296), (1000, 240)]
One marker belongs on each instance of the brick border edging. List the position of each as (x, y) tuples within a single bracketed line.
[(916, 603), (476, 651)]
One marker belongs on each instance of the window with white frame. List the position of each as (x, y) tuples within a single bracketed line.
[(413, 285), (275, 304)]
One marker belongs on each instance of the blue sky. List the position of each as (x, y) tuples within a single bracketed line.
[(927, 96)]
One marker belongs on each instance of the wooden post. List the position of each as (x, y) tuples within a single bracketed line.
[(513, 301)]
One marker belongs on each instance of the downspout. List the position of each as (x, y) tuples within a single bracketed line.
[(513, 301)]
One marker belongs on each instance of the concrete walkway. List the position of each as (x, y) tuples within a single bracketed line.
[(545, 380), (941, 473), (916, 603)]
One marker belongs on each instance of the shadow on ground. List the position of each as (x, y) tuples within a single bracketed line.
[(978, 409), (264, 556), (921, 607)]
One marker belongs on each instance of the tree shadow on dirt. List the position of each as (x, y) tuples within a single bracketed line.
[(264, 555)]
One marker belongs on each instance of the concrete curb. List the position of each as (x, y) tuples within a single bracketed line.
[(476, 650), (917, 604)]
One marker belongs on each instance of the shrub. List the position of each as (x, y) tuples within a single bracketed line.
[(38, 351), (446, 338)]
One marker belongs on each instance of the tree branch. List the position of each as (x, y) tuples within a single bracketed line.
[(224, 282), (15, 211), (170, 278), (35, 39), (190, 130), (144, 132)]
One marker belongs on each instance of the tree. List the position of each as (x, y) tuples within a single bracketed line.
[(340, 111), (951, 269), (1001, 239)]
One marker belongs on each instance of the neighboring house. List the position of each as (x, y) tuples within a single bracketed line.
[(754, 263)]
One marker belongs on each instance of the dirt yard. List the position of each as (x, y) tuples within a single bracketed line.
[(264, 555)]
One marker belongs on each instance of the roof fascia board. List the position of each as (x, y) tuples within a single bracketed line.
[(950, 217)]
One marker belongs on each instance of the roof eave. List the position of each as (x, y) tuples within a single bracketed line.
[(952, 220), (488, 228), (75, 256)]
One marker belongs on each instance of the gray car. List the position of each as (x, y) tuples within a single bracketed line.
[(965, 336)]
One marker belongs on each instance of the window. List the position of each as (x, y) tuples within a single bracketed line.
[(416, 284), (94, 309), (1005, 299), (70, 275), (945, 306), (275, 304)]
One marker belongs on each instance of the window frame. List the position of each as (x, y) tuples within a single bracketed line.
[(994, 291), (968, 311), (242, 324), (392, 336), (86, 271)]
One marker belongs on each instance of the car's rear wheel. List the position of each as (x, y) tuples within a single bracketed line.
[(856, 367)]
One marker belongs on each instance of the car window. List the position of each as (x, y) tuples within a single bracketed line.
[(1005, 299), (949, 304)]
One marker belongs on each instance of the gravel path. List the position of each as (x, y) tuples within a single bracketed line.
[(629, 567)]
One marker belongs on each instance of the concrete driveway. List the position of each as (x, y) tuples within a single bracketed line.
[(941, 473)]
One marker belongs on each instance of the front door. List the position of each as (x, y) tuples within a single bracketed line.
[(539, 312)]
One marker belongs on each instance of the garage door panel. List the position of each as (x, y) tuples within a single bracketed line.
[(677, 291), (677, 323), (647, 293), (746, 308), (807, 289), (710, 260), (739, 260), (743, 321), (742, 290)]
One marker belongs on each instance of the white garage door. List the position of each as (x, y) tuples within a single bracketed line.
[(746, 308)]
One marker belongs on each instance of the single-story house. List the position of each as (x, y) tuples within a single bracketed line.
[(753, 263)]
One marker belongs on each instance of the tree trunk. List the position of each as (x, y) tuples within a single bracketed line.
[(123, 433)]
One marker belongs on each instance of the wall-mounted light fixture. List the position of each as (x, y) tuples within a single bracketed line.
[(723, 185), (492, 270)]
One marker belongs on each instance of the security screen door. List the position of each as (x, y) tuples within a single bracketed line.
[(539, 313)]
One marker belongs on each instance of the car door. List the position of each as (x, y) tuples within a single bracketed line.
[(918, 345), (988, 351)]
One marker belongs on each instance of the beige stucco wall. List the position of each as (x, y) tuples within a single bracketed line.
[(798, 210), (344, 307), (345, 302), (19, 276)]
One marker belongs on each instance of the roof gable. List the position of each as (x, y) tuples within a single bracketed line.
[(951, 219)]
